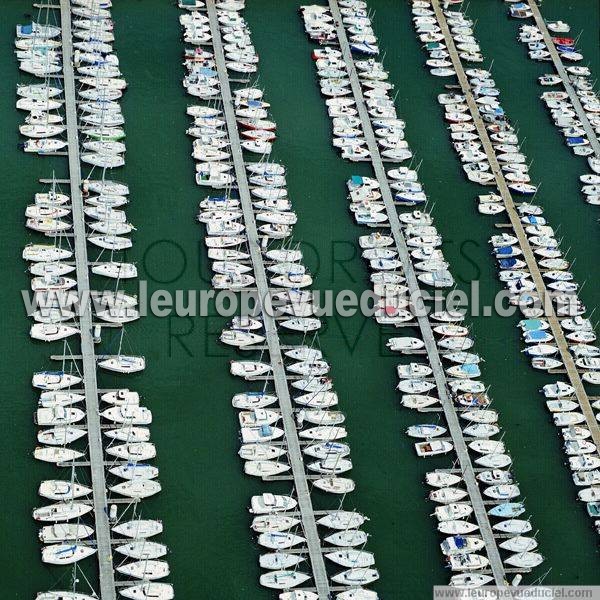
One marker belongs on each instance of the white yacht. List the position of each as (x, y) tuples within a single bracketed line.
[(61, 511), (270, 503), (148, 591), (139, 528), (145, 569)]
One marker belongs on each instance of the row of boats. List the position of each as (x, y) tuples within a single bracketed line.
[(560, 105), (260, 206), (471, 401), (335, 85), (463, 544), (558, 286), (60, 414), (38, 50)]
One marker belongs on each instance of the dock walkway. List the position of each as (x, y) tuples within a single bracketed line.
[(466, 467), (519, 229), (96, 453), (280, 378), (564, 75)]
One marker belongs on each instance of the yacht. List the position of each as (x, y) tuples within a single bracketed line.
[(129, 434), (66, 554), (433, 448), (142, 549), (251, 400), (128, 414), (61, 511), (425, 431), (138, 528), (55, 455), (145, 569), (283, 580), (447, 495), (260, 453), (260, 434), (324, 433), (60, 435), (150, 590), (62, 532), (456, 527), (274, 522), (58, 415), (271, 503), (123, 364), (50, 332)]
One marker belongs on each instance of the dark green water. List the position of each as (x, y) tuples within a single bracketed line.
[(187, 383)]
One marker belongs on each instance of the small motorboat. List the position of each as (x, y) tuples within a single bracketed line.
[(433, 448)]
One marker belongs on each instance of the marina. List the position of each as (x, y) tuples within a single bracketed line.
[(305, 144), (584, 117), (57, 304), (465, 469), (88, 358), (581, 130), (279, 375), (568, 361), (235, 243)]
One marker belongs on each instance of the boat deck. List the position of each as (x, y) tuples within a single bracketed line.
[(96, 453), (466, 467), (272, 338), (528, 255)]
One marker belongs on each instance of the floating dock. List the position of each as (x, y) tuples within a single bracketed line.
[(466, 466), (544, 294), (564, 75), (279, 374), (96, 453)]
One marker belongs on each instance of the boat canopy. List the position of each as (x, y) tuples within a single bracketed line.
[(537, 335), (531, 324)]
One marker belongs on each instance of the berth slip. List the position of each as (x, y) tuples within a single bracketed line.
[(560, 340), (290, 426), (412, 237), (98, 444)]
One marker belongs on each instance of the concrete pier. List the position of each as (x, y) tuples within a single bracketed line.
[(519, 229), (460, 446), (564, 75), (279, 374), (96, 453)]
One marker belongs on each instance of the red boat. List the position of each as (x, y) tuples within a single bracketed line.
[(257, 124), (561, 41), (259, 134)]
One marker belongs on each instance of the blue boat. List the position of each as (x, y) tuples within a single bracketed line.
[(507, 251), (364, 48), (507, 509), (206, 72), (507, 263), (410, 198), (593, 509), (355, 182), (532, 325), (563, 48), (538, 336), (533, 220), (468, 370), (576, 141)]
